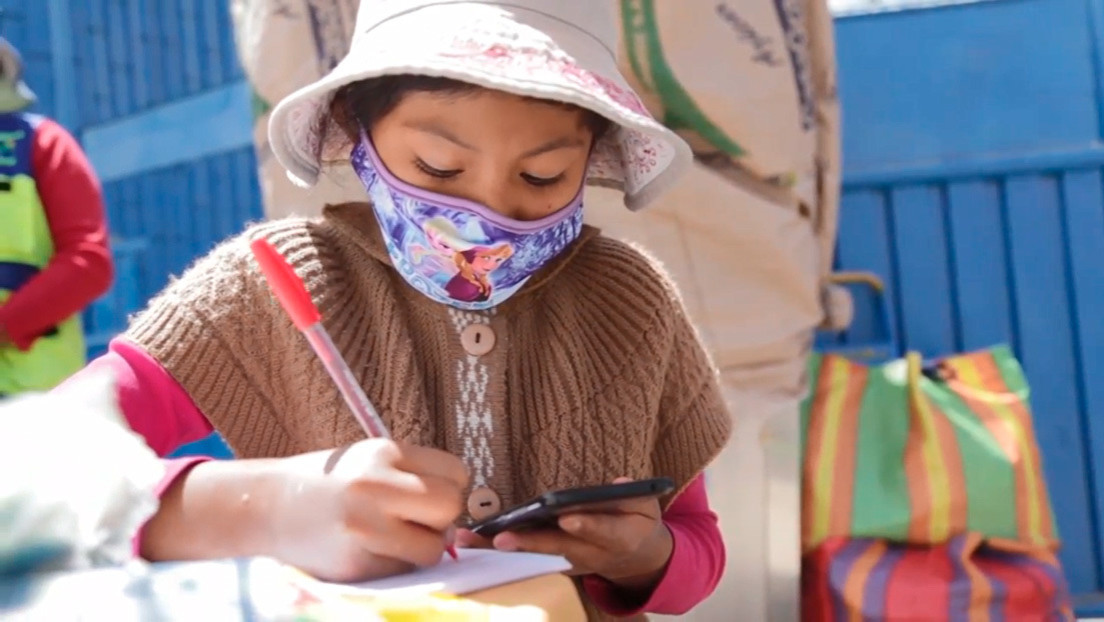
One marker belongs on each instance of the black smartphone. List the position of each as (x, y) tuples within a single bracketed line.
[(543, 511)]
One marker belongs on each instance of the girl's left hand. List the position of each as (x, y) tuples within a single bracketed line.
[(627, 544)]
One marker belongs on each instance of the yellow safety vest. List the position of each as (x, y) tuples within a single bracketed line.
[(26, 246)]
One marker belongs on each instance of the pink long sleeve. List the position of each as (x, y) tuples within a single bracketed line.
[(154, 404), (696, 565)]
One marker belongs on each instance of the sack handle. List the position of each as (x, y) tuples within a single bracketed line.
[(848, 277), (941, 372)]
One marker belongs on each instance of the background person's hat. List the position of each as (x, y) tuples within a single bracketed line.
[(561, 50), (15, 95)]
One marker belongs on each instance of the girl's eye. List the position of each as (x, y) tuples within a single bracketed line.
[(541, 182), (435, 172)]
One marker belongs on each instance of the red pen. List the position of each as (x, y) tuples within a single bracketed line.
[(296, 301)]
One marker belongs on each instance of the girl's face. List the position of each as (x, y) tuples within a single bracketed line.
[(486, 264), (524, 159)]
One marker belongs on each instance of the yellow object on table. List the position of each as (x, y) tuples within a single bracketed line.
[(552, 594), (547, 598)]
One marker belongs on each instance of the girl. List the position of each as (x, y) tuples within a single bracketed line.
[(579, 367)]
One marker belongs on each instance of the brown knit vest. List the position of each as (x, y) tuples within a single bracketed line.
[(595, 371)]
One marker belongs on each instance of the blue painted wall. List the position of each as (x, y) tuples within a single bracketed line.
[(27, 26), (153, 90), (974, 185), (133, 55)]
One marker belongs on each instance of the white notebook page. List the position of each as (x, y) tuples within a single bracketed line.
[(477, 569)]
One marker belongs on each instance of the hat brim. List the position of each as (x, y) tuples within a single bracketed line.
[(518, 51), (25, 92), (17, 97)]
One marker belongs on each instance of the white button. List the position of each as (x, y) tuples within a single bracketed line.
[(483, 502), (477, 339)]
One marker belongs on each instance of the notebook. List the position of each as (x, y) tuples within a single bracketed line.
[(477, 569)]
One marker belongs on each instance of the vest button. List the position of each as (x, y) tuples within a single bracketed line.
[(477, 339), (483, 502)]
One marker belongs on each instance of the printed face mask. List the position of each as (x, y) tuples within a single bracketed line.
[(459, 252)]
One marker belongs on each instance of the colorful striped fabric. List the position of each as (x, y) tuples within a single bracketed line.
[(921, 455), (963, 580)]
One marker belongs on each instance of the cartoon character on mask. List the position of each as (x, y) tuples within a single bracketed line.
[(468, 269), (455, 251)]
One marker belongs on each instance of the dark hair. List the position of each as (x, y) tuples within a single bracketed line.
[(366, 102)]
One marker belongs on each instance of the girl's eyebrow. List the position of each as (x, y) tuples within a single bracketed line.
[(438, 131), (564, 142), (429, 127)]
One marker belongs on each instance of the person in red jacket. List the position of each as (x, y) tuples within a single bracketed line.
[(54, 255)]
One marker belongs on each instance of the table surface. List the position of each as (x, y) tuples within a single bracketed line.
[(554, 594), (225, 590)]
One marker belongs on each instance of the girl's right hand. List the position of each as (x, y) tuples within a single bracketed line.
[(371, 509)]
